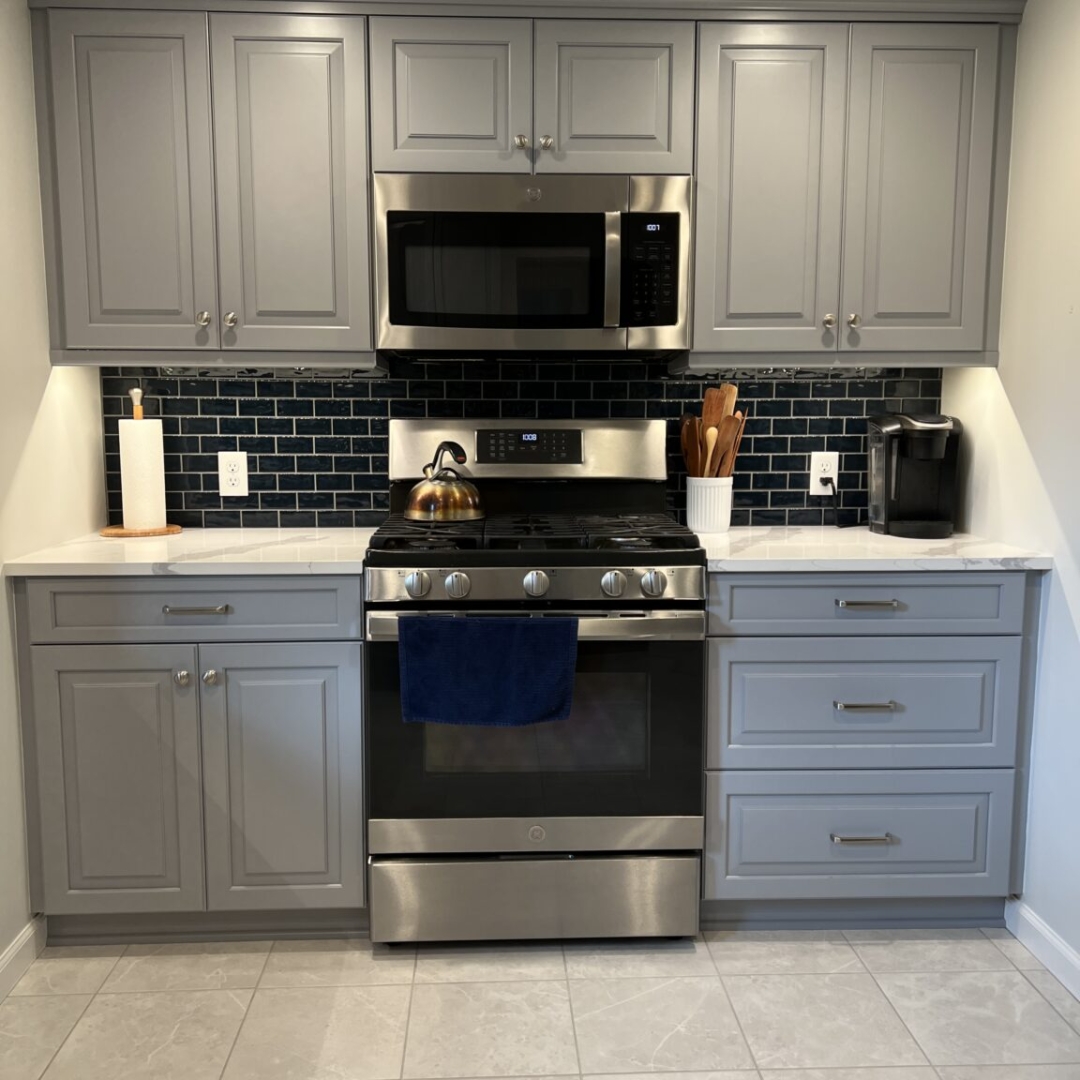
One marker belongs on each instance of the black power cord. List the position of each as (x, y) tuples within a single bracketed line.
[(827, 481)]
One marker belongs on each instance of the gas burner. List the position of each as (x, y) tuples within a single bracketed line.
[(397, 534)]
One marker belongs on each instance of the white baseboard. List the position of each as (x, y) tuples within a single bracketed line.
[(21, 953), (1047, 945)]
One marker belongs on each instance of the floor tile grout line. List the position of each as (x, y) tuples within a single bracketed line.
[(1070, 1024), (63, 1041), (896, 1012), (573, 1019), (739, 1024), (408, 1019), (239, 1028)]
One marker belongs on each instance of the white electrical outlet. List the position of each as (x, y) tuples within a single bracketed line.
[(232, 472), (824, 465)]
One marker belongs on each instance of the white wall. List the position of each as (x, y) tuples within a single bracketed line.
[(51, 472), (1023, 441)]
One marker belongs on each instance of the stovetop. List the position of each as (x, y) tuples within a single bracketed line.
[(503, 536)]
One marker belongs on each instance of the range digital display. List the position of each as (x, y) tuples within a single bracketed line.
[(524, 446)]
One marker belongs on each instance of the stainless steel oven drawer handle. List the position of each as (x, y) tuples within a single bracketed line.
[(856, 604), (855, 841), (662, 626), (865, 706), (218, 609)]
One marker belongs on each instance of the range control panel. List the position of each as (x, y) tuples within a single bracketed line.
[(650, 270), (532, 446)]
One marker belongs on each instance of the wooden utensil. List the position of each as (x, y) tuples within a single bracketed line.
[(686, 423), (693, 447), (711, 435), (712, 408), (725, 445), (730, 394)]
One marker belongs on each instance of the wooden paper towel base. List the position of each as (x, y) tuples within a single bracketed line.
[(119, 530)]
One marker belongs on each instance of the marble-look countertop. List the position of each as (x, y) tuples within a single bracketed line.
[(202, 551), (341, 551), (809, 548)]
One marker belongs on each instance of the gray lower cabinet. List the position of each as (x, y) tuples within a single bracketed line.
[(290, 112), (451, 95), (832, 834), (770, 144), (282, 765), (118, 777), (614, 96), (134, 179), (919, 169)]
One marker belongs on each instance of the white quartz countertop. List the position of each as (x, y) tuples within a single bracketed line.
[(202, 551), (809, 548), (341, 551)]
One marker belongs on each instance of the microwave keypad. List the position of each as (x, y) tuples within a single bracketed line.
[(650, 269)]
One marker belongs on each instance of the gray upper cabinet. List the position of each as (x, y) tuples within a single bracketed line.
[(920, 163), (134, 184), (292, 179), (771, 101), (118, 776), (451, 95), (283, 766), (614, 96)]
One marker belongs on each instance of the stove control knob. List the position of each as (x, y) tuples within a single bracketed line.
[(653, 583), (457, 585), (536, 583), (418, 584), (613, 583)]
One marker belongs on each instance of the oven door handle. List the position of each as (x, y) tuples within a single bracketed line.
[(612, 269), (620, 626)]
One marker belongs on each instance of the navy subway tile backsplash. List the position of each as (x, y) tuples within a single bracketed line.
[(317, 447)]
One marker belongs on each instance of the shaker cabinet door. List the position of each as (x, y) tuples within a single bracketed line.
[(118, 774), (451, 95), (771, 103), (919, 168), (131, 104), (614, 97), (281, 727), (292, 181)]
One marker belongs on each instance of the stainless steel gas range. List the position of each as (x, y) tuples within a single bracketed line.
[(590, 826)]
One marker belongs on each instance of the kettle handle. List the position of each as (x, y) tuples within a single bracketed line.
[(455, 450)]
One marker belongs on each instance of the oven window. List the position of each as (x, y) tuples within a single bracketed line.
[(632, 745), (607, 731), (496, 270)]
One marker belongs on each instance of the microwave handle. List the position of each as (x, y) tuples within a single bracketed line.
[(612, 268)]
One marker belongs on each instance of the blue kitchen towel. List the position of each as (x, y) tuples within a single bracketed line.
[(491, 672)]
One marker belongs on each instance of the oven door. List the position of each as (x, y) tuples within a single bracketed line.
[(499, 262), (622, 773)]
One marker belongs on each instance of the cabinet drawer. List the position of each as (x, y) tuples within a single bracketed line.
[(965, 603), (863, 703), (203, 609), (777, 835)]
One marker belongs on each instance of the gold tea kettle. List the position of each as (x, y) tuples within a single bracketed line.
[(443, 494)]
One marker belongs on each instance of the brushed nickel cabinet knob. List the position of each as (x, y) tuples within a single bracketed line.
[(182, 678), (521, 142), (203, 318), (210, 678), (829, 321), (546, 142), (854, 321), (231, 319)]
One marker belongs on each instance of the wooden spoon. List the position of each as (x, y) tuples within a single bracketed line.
[(730, 394), (712, 409), (711, 435), (725, 445)]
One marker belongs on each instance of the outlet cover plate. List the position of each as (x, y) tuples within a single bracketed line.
[(824, 464), (233, 473)]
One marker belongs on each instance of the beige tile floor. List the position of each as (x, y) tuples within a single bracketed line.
[(778, 1005)]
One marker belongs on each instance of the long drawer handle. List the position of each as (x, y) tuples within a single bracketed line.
[(893, 604), (884, 838), (219, 609), (865, 706)]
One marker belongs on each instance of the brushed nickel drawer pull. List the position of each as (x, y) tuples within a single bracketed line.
[(884, 838), (865, 706), (894, 604), (220, 609)]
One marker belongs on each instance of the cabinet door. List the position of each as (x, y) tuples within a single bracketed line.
[(282, 761), (770, 187), (451, 95), (919, 166), (614, 97), (118, 772), (290, 119), (131, 101)]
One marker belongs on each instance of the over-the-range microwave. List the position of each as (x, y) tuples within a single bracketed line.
[(474, 264)]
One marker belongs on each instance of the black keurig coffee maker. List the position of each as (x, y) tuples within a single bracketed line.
[(913, 475)]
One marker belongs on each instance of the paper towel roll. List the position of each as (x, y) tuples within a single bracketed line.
[(142, 473)]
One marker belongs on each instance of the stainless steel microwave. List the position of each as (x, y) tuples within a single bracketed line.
[(479, 263)]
